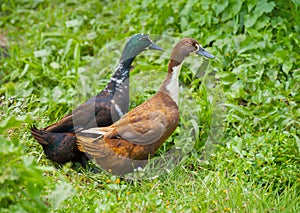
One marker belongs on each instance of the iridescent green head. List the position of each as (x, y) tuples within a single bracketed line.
[(137, 44)]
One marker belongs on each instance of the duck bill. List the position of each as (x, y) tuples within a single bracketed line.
[(205, 53), (155, 47)]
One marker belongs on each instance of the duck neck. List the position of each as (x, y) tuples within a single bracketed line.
[(120, 79), (170, 85)]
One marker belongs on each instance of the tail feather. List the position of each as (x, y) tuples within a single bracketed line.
[(90, 146), (38, 135), (96, 131), (78, 142), (84, 143)]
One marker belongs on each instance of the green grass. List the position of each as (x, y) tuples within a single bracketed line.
[(240, 114)]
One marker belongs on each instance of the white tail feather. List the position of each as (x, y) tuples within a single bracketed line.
[(94, 131)]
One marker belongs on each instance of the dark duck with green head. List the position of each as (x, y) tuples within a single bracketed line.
[(59, 139)]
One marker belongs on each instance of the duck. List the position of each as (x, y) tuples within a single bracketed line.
[(59, 139), (128, 143)]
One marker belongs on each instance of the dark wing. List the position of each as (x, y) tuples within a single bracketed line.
[(95, 112)]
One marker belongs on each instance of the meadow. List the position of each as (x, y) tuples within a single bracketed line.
[(240, 114)]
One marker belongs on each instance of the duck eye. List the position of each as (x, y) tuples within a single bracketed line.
[(198, 47), (143, 38)]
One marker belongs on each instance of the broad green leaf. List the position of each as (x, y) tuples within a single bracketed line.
[(233, 9), (287, 66), (262, 7), (237, 85), (251, 4), (219, 6), (189, 32), (61, 192), (14, 121), (227, 78), (183, 23), (262, 22), (250, 20), (6, 147)]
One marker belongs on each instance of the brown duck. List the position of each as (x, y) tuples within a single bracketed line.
[(59, 139), (129, 142)]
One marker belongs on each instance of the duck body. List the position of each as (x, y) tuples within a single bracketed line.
[(135, 137), (132, 140), (59, 140)]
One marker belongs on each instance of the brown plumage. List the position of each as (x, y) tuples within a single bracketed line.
[(129, 142)]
